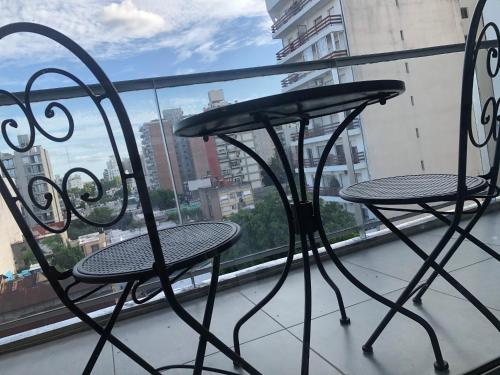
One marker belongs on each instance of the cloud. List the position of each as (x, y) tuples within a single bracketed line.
[(128, 21), (109, 29)]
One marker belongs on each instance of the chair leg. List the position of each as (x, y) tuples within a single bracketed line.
[(344, 320), (204, 333), (268, 297), (440, 362), (450, 279), (306, 333), (107, 330), (465, 233), (100, 331), (207, 317)]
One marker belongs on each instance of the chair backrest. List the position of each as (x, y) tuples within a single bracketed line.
[(481, 60), (13, 195)]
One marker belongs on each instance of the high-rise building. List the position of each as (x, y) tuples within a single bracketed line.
[(182, 147), (235, 165), (111, 171), (9, 234), (414, 133), (25, 166), (157, 167)]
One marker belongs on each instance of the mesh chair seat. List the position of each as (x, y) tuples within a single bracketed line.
[(411, 189), (182, 246)]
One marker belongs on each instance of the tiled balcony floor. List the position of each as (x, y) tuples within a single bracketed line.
[(271, 340)]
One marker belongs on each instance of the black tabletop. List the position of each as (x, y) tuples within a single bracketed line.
[(288, 107)]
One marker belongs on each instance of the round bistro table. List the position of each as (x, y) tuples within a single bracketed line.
[(304, 218)]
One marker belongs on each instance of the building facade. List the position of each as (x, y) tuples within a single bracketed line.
[(10, 234), (218, 203), (26, 166), (236, 166), (158, 169), (414, 133)]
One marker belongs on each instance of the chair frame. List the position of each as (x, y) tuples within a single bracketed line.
[(475, 42), (14, 200)]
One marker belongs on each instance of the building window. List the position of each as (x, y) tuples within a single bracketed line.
[(397, 3), (337, 37), (407, 67), (417, 133), (402, 35), (422, 165), (329, 43), (464, 12), (412, 100)]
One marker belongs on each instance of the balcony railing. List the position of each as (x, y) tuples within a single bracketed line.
[(332, 160), (326, 191), (324, 130), (327, 21), (292, 78), (295, 8)]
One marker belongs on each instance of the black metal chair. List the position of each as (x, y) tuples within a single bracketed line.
[(160, 253), (457, 189)]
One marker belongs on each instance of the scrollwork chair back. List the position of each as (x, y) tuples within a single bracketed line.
[(11, 193), (481, 60)]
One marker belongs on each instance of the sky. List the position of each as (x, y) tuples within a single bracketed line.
[(133, 39)]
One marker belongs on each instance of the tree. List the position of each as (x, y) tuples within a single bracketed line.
[(28, 258), (277, 168), (64, 256), (90, 188), (101, 215), (266, 227), (162, 199)]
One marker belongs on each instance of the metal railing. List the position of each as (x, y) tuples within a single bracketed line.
[(325, 129), (160, 82), (295, 8), (293, 45), (155, 83), (295, 77)]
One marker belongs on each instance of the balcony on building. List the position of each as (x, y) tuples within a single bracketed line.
[(306, 38)]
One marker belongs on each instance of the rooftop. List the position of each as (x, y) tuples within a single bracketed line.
[(468, 340)]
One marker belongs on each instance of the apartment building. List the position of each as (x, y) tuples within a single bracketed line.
[(158, 169), (25, 166), (414, 133), (9, 235), (236, 166), (218, 203)]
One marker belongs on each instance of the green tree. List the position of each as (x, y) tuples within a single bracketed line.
[(64, 256), (90, 188), (109, 184), (28, 258), (266, 227), (162, 199), (102, 215), (278, 170)]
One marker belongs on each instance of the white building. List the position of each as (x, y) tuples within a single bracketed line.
[(236, 166), (314, 30), (111, 170), (414, 133)]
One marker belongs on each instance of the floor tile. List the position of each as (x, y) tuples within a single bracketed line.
[(61, 357), (276, 354), (162, 338), (467, 340), (486, 229), (481, 279), (287, 306), (396, 259)]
